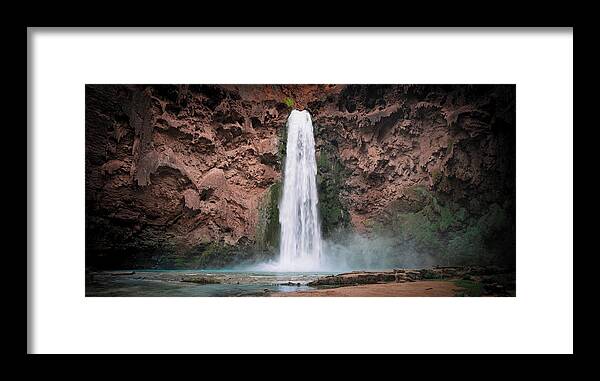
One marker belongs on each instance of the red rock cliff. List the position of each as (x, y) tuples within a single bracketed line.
[(170, 168)]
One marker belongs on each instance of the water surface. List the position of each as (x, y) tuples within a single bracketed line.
[(169, 282)]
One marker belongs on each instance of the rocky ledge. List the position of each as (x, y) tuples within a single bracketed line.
[(486, 280), (199, 280)]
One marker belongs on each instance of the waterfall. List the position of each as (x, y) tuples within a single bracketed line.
[(300, 243)]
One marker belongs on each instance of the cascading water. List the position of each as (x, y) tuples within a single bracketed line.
[(300, 243)]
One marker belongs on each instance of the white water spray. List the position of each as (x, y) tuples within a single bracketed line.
[(300, 243)]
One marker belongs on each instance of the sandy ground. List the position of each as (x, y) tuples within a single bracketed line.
[(419, 288)]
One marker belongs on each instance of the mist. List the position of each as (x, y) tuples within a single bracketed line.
[(359, 252), (351, 251)]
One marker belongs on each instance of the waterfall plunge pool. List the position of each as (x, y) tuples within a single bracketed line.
[(300, 258), (155, 283)]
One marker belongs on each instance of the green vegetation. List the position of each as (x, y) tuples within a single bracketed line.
[(449, 231), (268, 229), (281, 146), (330, 179), (208, 254), (289, 102), (436, 176), (216, 255), (469, 287)]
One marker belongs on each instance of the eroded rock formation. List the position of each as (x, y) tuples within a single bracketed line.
[(180, 174)]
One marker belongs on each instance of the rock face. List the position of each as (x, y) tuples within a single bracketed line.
[(407, 275), (432, 166), (180, 174), (171, 167), (475, 280), (479, 280)]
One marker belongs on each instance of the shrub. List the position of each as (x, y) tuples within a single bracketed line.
[(289, 102)]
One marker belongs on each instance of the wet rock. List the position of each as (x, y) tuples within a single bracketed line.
[(121, 273), (199, 280), (407, 275)]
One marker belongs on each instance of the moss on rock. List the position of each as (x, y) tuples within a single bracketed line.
[(450, 232), (268, 229), (330, 180)]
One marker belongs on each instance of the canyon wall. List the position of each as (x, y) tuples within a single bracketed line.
[(190, 175)]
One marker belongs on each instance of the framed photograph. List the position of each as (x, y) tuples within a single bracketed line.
[(287, 191)]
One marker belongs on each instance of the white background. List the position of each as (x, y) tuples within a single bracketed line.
[(539, 319)]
